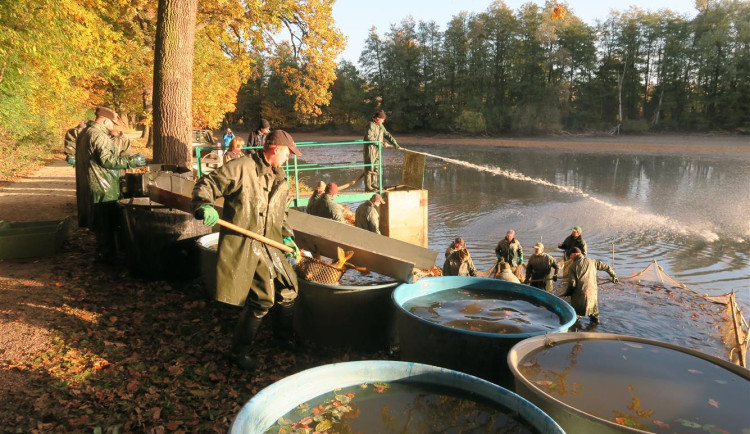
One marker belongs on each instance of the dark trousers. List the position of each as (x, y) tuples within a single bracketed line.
[(105, 222)]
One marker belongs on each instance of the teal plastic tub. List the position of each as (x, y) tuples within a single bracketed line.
[(264, 409), (32, 239), (478, 353)]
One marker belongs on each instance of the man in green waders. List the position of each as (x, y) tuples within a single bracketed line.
[(583, 289), (376, 132), (255, 196)]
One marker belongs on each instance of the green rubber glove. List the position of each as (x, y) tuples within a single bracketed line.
[(289, 241), (137, 160), (210, 215), (71, 161)]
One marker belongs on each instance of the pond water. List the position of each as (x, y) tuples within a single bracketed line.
[(483, 311), (400, 407), (642, 386), (689, 213)]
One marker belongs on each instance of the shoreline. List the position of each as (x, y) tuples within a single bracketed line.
[(673, 144)]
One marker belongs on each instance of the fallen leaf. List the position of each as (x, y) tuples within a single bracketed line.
[(714, 403)]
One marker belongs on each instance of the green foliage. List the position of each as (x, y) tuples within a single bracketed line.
[(471, 122), (636, 126)]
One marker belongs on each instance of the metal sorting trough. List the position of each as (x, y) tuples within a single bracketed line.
[(575, 420), (265, 408), (477, 353), (359, 317)]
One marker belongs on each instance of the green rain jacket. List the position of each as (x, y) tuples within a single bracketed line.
[(375, 132), (571, 242), (255, 198), (98, 163), (510, 251), (582, 288), (540, 268), (454, 267), (367, 217), (325, 207)]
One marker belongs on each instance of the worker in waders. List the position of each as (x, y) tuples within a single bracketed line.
[(457, 244), (326, 206), (539, 269), (575, 239), (459, 263), (99, 157), (255, 195), (509, 250), (582, 287), (320, 189), (368, 214), (376, 132)]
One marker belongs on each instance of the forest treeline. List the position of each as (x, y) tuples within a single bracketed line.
[(501, 71), (523, 72)]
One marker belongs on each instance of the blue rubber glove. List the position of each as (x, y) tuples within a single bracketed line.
[(210, 215), (71, 161), (289, 241), (137, 160)]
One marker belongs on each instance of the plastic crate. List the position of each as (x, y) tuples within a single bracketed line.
[(31, 239)]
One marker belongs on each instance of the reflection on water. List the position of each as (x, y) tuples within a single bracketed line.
[(691, 214)]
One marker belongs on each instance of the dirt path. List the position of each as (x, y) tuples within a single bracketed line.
[(48, 194)]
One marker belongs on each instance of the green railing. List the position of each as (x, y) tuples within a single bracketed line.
[(293, 168)]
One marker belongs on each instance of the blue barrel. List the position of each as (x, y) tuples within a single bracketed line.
[(477, 353), (276, 400)]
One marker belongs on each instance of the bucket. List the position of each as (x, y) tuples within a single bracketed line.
[(160, 241), (341, 316), (608, 383), (32, 239), (475, 352), (263, 411)]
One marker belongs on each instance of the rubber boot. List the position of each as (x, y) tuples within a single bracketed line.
[(368, 181), (373, 176), (242, 342), (283, 324)]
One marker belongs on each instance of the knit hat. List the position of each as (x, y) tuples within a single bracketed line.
[(379, 114), (575, 250), (264, 124), (377, 198), (332, 189)]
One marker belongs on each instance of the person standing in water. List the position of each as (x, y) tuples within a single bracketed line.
[(573, 240), (582, 287)]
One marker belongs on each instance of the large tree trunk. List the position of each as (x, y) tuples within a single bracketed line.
[(173, 81)]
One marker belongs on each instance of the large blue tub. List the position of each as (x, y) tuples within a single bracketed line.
[(276, 400), (477, 353)]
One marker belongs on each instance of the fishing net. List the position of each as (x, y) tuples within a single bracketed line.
[(318, 271), (735, 331)]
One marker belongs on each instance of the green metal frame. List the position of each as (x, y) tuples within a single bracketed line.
[(293, 168)]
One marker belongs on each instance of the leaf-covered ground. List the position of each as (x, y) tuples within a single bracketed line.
[(88, 348)]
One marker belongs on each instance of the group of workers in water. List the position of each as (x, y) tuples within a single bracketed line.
[(541, 270)]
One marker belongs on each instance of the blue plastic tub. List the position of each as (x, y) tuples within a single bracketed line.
[(477, 353), (276, 400)]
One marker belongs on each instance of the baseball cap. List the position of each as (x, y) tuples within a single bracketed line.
[(282, 138), (379, 114), (575, 250), (539, 246), (577, 229), (377, 198)]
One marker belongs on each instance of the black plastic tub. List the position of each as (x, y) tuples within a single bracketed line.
[(345, 316), (160, 241)]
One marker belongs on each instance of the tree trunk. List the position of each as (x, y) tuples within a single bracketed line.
[(173, 81)]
